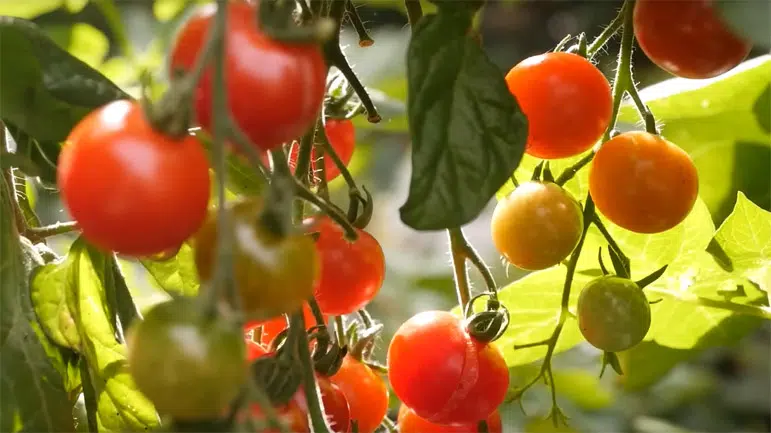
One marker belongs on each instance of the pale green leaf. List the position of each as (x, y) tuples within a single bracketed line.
[(719, 122), (28, 9), (75, 6), (583, 388), (165, 10), (88, 44), (51, 287), (177, 275)]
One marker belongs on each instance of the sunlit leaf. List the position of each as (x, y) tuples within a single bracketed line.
[(177, 275), (164, 10), (28, 9), (88, 44)]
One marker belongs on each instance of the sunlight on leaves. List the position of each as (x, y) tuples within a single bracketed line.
[(88, 44), (177, 275)]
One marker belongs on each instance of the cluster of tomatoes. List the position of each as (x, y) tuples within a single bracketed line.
[(638, 180)]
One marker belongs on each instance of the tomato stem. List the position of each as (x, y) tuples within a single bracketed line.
[(467, 252), (642, 108), (365, 40), (611, 242), (459, 266), (340, 331), (387, 424), (37, 234), (312, 392), (328, 208), (335, 57), (608, 32), (414, 12)]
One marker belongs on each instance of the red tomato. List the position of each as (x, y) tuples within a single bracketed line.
[(342, 138), (274, 89), (271, 328), (366, 392), (408, 422), (687, 38), (439, 371), (567, 102), (643, 183), (335, 404), (291, 413), (132, 189), (254, 350), (351, 272)]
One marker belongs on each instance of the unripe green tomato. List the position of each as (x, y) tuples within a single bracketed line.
[(189, 365), (613, 313), (537, 226)]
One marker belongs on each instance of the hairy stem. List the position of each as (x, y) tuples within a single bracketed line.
[(460, 271), (311, 389)]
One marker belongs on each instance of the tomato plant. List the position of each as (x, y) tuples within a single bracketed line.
[(272, 275), (687, 38), (613, 313), (336, 406), (566, 100), (643, 182), (458, 381), (289, 78), (408, 422), (295, 418), (272, 327), (537, 225), (158, 186), (176, 357), (351, 272), (365, 391), (342, 137)]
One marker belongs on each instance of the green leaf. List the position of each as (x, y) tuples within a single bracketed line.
[(50, 293), (88, 44), (578, 185), (177, 275), (120, 405), (75, 6), (28, 9), (31, 368), (583, 388), (722, 124), (165, 10), (43, 154), (46, 90), (468, 133)]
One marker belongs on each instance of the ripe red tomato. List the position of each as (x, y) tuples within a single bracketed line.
[(351, 272), (335, 404), (291, 413), (643, 183), (566, 100), (687, 38), (274, 89), (365, 391), (537, 225), (408, 422), (273, 275), (189, 365), (342, 138), (613, 313), (439, 371), (271, 328), (254, 350), (132, 190)]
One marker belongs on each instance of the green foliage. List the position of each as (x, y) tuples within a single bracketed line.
[(177, 275), (29, 9), (83, 317), (32, 369), (468, 133)]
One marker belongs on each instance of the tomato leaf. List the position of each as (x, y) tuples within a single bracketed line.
[(120, 405), (723, 124), (31, 368), (177, 275), (43, 154), (468, 133), (51, 292), (46, 90), (29, 9)]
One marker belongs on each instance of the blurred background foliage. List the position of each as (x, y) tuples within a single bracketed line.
[(718, 390)]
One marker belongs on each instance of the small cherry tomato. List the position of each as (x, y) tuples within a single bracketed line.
[(291, 414), (613, 313), (444, 375), (189, 365), (335, 404), (537, 225), (274, 89), (643, 183), (272, 275), (271, 328), (342, 138), (132, 189), (254, 350), (566, 100), (365, 391), (408, 422), (351, 272), (687, 38)]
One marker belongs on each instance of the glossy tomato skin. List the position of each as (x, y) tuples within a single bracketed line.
[(271, 328), (335, 404), (442, 373), (190, 366), (687, 38), (566, 100), (342, 138), (132, 190), (274, 89), (254, 350), (351, 272), (613, 313), (409, 422), (537, 226), (643, 183), (273, 276), (365, 391)]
